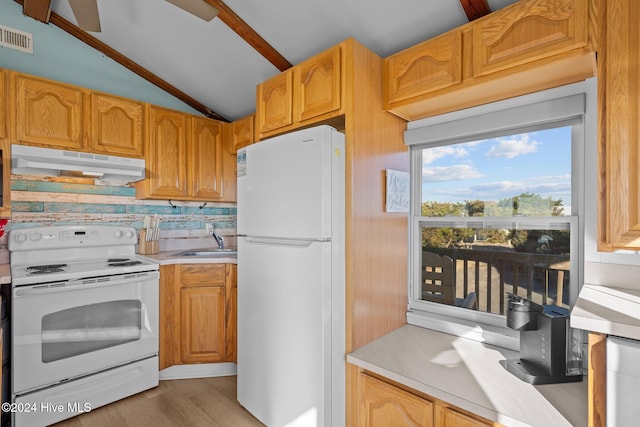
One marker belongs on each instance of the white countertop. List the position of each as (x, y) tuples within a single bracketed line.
[(608, 310), (172, 257), (467, 374)]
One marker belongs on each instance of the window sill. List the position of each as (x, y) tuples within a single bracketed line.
[(467, 374), (488, 334)]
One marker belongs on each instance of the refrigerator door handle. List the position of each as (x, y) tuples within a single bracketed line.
[(283, 241)]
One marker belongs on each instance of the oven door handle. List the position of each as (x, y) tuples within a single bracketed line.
[(85, 284)]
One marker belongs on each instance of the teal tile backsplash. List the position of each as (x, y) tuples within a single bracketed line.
[(41, 202)]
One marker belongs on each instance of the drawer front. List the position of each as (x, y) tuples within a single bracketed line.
[(202, 274)]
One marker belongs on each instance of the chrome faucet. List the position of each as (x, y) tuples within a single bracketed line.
[(219, 239)]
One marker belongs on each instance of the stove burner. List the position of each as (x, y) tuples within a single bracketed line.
[(45, 269), (125, 263), (117, 260)]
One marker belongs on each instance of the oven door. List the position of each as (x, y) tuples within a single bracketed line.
[(70, 329)]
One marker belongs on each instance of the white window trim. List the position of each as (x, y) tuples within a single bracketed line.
[(487, 327)]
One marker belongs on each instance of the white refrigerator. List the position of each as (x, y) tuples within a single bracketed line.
[(291, 276)]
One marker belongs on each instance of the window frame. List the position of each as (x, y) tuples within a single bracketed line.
[(488, 121)]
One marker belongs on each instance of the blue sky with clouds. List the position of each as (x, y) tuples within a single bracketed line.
[(493, 169)]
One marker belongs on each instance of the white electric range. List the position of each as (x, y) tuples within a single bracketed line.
[(84, 320)]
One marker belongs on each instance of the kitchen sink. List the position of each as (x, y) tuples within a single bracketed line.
[(208, 252)]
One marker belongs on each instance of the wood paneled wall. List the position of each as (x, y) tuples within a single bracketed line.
[(376, 247)]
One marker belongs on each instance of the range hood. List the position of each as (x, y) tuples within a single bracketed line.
[(28, 160)]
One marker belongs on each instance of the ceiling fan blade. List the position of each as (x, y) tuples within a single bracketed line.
[(199, 8), (86, 13)]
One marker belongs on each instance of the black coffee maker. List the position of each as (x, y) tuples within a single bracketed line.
[(543, 342)]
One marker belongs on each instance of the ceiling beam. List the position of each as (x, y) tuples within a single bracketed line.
[(249, 35), (38, 9), (133, 66), (475, 9), (41, 10)]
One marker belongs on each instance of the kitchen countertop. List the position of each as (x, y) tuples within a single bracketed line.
[(467, 374), (172, 257), (162, 258), (5, 274), (608, 310)]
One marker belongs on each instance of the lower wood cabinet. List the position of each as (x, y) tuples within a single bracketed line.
[(202, 324), (383, 404), (197, 313)]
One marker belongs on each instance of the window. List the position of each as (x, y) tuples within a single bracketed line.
[(495, 206)]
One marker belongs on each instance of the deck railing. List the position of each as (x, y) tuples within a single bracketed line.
[(491, 274)]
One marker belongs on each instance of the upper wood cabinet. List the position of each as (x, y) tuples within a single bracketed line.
[(48, 113), (5, 197), (619, 126), (116, 126), (57, 115), (242, 133), (274, 107), (186, 159), (166, 158), (4, 104), (424, 68), (526, 47), (316, 85), (531, 31), (303, 95), (204, 158)]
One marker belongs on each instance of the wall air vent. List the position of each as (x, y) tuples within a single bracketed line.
[(16, 39)]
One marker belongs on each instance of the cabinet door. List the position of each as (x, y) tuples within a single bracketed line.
[(619, 129), (317, 85), (274, 102), (424, 68), (231, 288), (384, 405), (203, 324), (4, 105), (116, 126), (242, 132), (528, 31), (169, 345), (449, 417), (48, 113), (205, 160), (167, 153)]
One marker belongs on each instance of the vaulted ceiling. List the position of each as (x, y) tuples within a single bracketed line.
[(214, 66)]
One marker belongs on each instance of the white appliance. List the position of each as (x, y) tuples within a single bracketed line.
[(291, 276), (30, 160), (85, 314), (623, 382)]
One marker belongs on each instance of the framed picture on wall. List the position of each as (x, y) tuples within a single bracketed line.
[(397, 197)]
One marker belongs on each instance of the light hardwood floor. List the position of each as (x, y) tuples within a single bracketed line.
[(198, 402)]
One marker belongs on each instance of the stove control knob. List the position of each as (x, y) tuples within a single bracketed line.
[(19, 237), (118, 234), (129, 234), (35, 236)]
